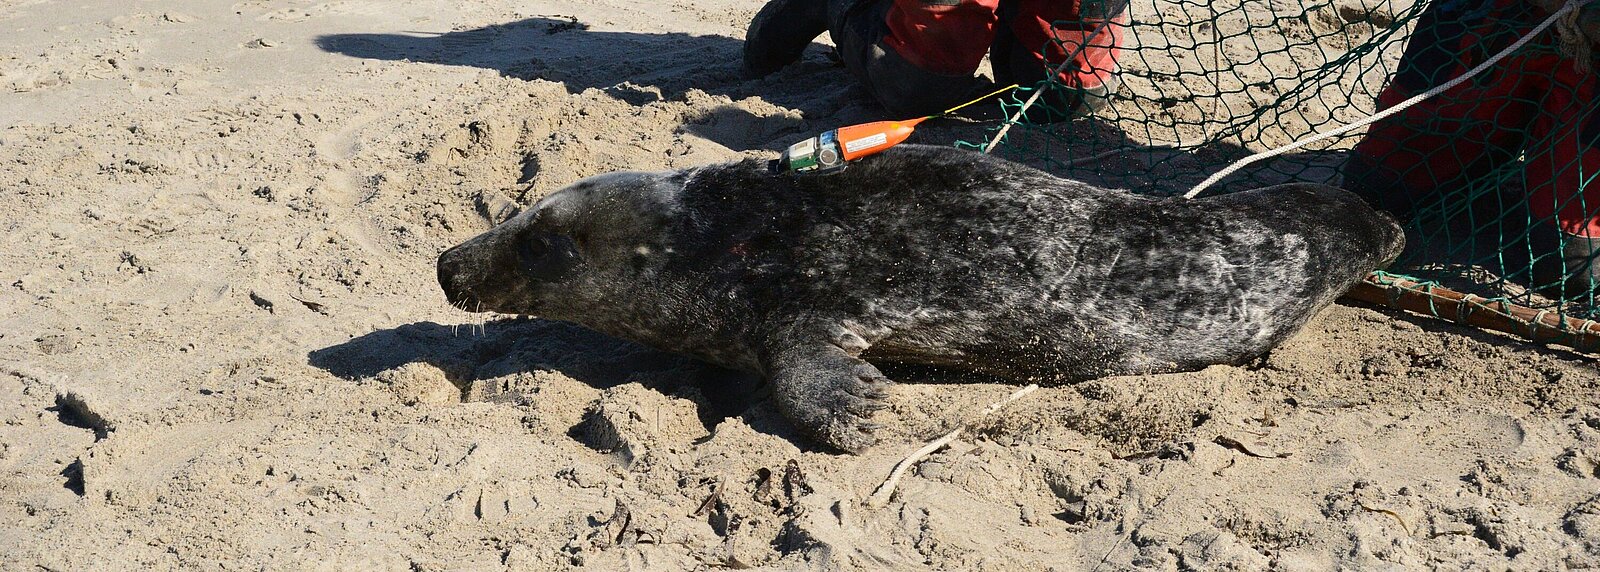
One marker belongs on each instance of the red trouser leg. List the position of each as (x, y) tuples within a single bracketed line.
[(1442, 141), (949, 37), (1564, 152), (1088, 31), (1538, 101), (1533, 102), (1456, 135), (916, 57)]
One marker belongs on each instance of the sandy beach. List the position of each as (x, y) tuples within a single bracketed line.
[(222, 346)]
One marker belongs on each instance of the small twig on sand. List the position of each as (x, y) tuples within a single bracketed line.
[(880, 497), (1392, 514), (711, 500)]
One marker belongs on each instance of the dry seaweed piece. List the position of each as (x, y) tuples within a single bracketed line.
[(1251, 449), (711, 499), (794, 481), (1392, 514)]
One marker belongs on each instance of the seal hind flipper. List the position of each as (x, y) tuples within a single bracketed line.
[(829, 393)]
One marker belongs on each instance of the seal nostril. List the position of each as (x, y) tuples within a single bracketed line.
[(448, 277), (456, 279)]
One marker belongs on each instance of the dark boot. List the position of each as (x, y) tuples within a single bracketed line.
[(1087, 83), (780, 32), (1578, 256), (1565, 266)]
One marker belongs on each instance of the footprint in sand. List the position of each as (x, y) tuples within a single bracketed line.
[(326, 8), (286, 15), (345, 187), (134, 21), (32, 81)]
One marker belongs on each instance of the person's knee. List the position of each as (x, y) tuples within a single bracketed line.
[(906, 89), (945, 37), (913, 71)]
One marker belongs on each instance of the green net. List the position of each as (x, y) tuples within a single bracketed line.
[(1491, 172)]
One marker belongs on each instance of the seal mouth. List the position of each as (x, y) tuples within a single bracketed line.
[(463, 299), (466, 304), (457, 294)]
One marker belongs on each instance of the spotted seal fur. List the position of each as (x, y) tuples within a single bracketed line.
[(921, 255)]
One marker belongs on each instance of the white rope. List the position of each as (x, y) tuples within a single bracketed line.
[(1576, 45), (1013, 121), (1041, 89), (1566, 8), (880, 497)]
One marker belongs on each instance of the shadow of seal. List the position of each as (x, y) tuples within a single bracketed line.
[(921, 255)]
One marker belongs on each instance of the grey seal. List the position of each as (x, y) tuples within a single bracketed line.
[(929, 256)]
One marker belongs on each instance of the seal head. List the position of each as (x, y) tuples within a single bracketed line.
[(568, 253)]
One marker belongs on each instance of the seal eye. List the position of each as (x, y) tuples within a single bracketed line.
[(548, 257)]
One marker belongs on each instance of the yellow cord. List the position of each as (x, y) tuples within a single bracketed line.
[(958, 107)]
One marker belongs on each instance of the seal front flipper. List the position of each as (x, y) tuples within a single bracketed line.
[(826, 391)]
